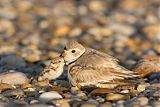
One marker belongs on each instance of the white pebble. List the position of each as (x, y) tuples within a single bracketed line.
[(48, 96)]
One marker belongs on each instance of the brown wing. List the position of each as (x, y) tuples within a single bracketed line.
[(101, 61), (95, 67), (91, 76)]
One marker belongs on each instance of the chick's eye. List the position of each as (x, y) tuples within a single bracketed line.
[(73, 51)]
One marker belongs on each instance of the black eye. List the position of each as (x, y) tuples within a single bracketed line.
[(73, 51)]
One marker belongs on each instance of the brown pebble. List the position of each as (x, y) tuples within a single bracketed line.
[(115, 97), (5, 86), (100, 91), (26, 85)]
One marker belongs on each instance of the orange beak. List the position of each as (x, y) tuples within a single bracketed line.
[(64, 54)]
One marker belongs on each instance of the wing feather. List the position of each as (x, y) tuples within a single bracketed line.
[(95, 67)]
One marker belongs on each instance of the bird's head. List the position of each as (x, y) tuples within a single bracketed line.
[(72, 51), (58, 61)]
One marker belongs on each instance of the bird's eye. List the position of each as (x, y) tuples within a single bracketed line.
[(73, 51), (65, 48)]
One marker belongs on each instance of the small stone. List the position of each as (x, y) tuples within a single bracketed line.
[(62, 31), (88, 105), (3, 104), (67, 95), (65, 105), (48, 96), (74, 90), (7, 49), (156, 94), (154, 85), (157, 48), (58, 89), (115, 97), (75, 32), (38, 105), (143, 101), (12, 60), (82, 96), (152, 32), (13, 93), (106, 104), (147, 65), (34, 101), (123, 29), (156, 104), (4, 86), (30, 92), (20, 102), (141, 87), (44, 83), (93, 101), (11, 78), (3, 98), (32, 58), (96, 6), (100, 99), (62, 83), (131, 5), (59, 102), (100, 91), (25, 85)]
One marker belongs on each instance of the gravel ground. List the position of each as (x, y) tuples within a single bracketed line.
[(32, 32)]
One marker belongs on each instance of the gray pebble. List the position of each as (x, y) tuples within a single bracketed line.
[(12, 60)]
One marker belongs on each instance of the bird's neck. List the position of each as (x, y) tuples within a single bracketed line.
[(72, 63)]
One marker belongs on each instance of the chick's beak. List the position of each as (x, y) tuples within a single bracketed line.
[(64, 54)]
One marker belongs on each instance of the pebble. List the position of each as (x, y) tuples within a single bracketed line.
[(141, 87), (3, 104), (156, 104), (39, 105), (32, 58), (11, 78), (3, 98), (100, 99), (106, 104), (82, 96), (152, 31), (147, 65), (65, 105), (138, 102), (59, 102), (88, 105), (62, 83), (4, 86), (44, 83), (13, 93), (143, 101), (115, 97), (74, 90), (12, 60), (48, 96), (100, 91), (34, 101), (123, 29), (156, 94)]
